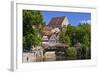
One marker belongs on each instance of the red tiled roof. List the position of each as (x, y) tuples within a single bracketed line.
[(56, 21), (47, 30)]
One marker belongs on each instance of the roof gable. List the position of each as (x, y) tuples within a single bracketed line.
[(56, 21)]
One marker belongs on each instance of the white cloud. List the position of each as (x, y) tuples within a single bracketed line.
[(86, 21)]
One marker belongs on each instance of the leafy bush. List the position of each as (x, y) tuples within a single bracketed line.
[(71, 52), (64, 38), (85, 52)]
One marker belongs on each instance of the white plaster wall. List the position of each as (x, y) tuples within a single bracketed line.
[(65, 21)]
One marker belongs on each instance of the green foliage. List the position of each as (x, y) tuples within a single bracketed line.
[(64, 38), (31, 18), (80, 33), (31, 36), (31, 39), (71, 32), (84, 34), (86, 40), (72, 52), (27, 23), (83, 51)]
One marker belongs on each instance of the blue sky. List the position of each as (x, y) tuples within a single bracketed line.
[(74, 17)]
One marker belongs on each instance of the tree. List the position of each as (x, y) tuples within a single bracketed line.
[(86, 40), (31, 36), (71, 32), (30, 43), (83, 51), (80, 33), (32, 18), (84, 34), (31, 39), (64, 38)]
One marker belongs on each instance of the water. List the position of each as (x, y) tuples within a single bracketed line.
[(49, 56)]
